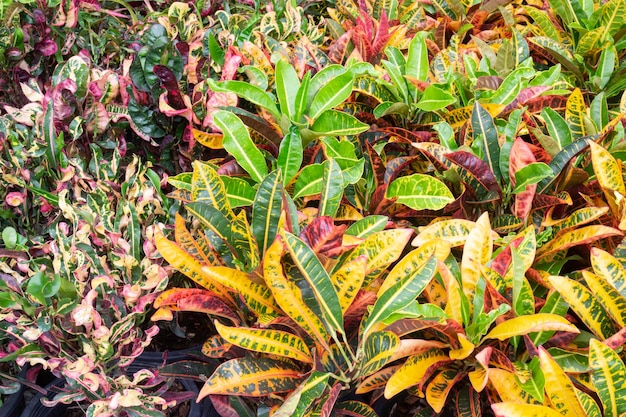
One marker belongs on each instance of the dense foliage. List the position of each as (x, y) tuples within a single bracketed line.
[(381, 207)]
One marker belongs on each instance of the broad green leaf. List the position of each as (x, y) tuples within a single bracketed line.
[(420, 192), (519, 326), (575, 112), (344, 153), (381, 248), (395, 73), (599, 110), (367, 226), (378, 349), (559, 387), (608, 296), (252, 377), (585, 305), (331, 94), (560, 162), (570, 361), (434, 98), (564, 10), (413, 370), (247, 91), (400, 294), (288, 296), (287, 85), (207, 186), (301, 97), (417, 59), (312, 270), (266, 211), (439, 388), (322, 78), (238, 143), (271, 342), (337, 123), (348, 279), (534, 380), (332, 188), (511, 409), (290, 154), (238, 191), (608, 376), (484, 131), (309, 181), (531, 174), (511, 86), (606, 66), (215, 221), (303, 397), (557, 127)]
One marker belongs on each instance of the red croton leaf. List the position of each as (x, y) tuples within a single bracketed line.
[(477, 167), (521, 156), (323, 236)]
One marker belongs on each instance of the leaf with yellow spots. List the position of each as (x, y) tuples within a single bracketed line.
[(414, 370), (210, 140), (577, 237), (522, 325), (575, 112), (512, 409), (272, 342), (608, 376), (585, 305), (559, 387), (476, 253), (458, 117), (252, 377), (438, 389), (609, 268), (608, 173)]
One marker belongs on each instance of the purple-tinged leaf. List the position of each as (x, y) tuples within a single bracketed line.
[(489, 82), (47, 47), (395, 167), (553, 101), (478, 168), (168, 81), (322, 236)]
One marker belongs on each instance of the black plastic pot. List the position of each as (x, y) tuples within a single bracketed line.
[(17, 405)]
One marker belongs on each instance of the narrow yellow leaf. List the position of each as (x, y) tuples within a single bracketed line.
[(476, 253), (522, 325), (511, 409), (414, 370)]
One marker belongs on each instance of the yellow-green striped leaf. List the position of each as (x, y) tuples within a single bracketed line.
[(608, 376), (257, 296), (592, 409), (608, 296), (476, 253), (312, 270), (199, 248), (400, 295), (272, 342), (252, 377), (303, 397), (207, 186), (267, 209), (438, 389), (585, 305), (508, 388), (377, 380), (378, 349), (381, 249), (575, 111), (414, 370), (522, 325), (453, 231), (348, 280), (288, 296), (577, 237), (608, 171), (354, 409), (511, 409), (559, 387), (243, 241), (189, 266), (609, 268), (411, 262)]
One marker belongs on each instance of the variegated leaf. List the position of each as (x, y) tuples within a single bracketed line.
[(585, 305), (272, 342), (608, 376), (511, 409), (378, 349), (559, 387), (609, 268), (523, 325), (580, 236), (348, 280), (438, 389), (414, 370), (608, 296), (477, 252), (252, 377)]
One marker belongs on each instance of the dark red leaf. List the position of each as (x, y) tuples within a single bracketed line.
[(168, 81), (47, 47), (331, 399), (477, 167), (489, 82), (395, 167), (555, 102)]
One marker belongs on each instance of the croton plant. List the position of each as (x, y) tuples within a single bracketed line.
[(383, 207)]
